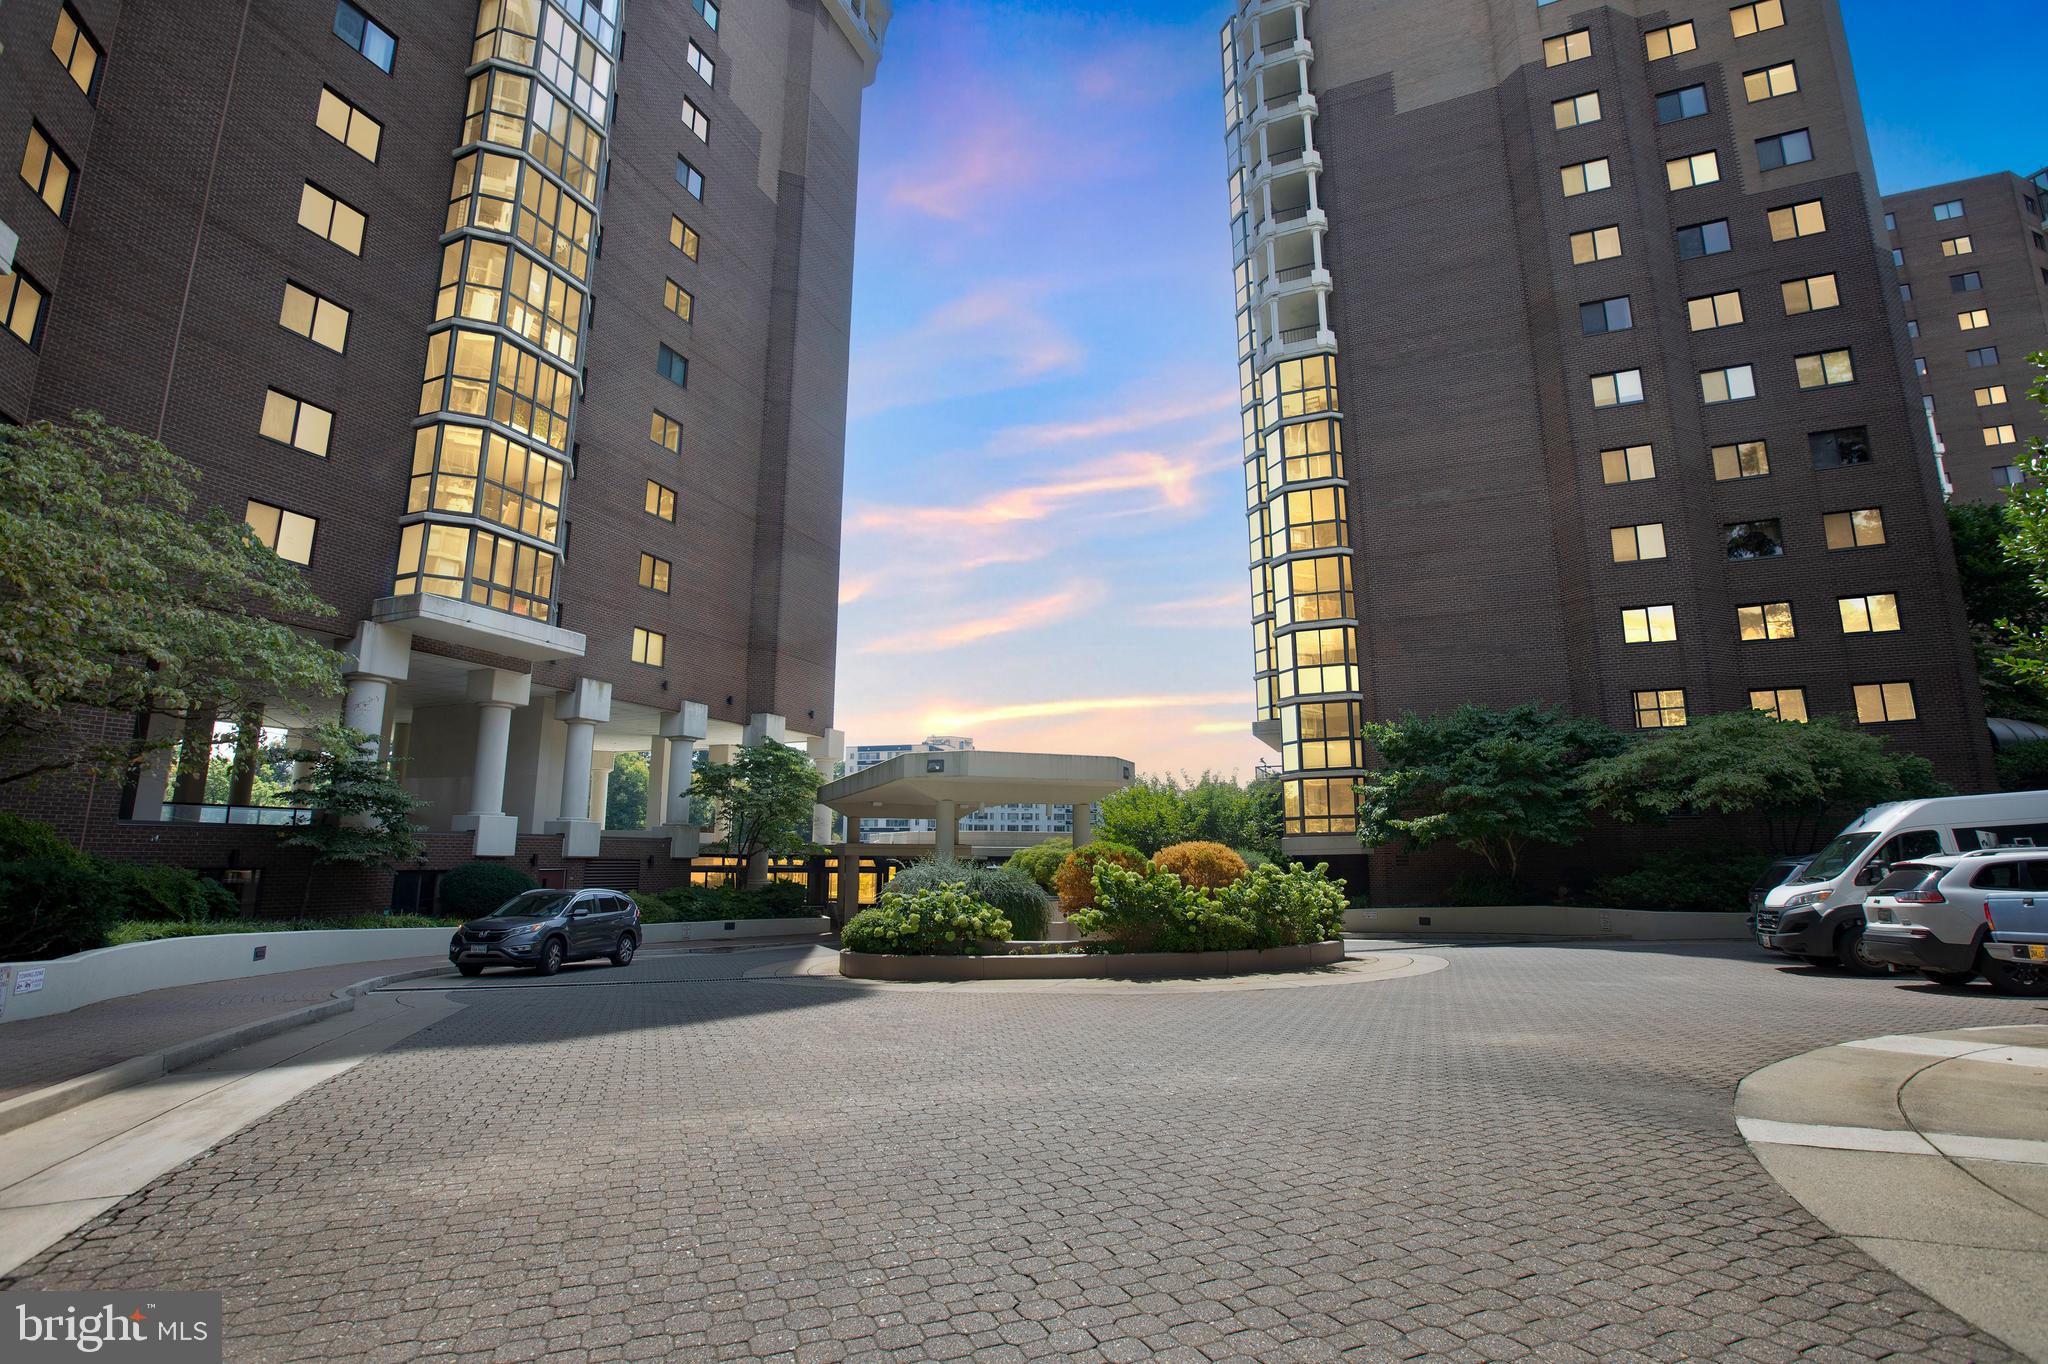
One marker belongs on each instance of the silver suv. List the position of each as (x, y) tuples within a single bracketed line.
[(1935, 915)]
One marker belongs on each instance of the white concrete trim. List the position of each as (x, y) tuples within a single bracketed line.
[(2012, 1150), (1765, 1131), (1907, 1045)]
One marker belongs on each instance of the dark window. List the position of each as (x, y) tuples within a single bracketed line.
[(1690, 102), (1968, 283), (2040, 242), (1755, 540), (1703, 239), (1608, 315), (673, 367), (1839, 449), (1984, 357), (690, 178), (365, 35), (1786, 149)]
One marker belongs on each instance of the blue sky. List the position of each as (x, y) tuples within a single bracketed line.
[(1044, 525)]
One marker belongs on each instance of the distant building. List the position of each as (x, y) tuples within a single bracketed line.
[(1049, 821)]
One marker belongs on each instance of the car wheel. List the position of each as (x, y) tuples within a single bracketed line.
[(622, 955), (469, 968), (551, 955), (2016, 977), (1953, 979), (1853, 955)]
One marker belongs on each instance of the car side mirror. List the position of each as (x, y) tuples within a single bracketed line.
[(1871, 875), (577, 911)]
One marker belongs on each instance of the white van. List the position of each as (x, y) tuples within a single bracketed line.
[(1818, 914)]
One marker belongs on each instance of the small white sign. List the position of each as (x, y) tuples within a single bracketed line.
[(28, 980)]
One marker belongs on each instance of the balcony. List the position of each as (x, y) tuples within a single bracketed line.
[(1291, 280), (1304, 159), (1287, 221), (1287, 104), (1294, 342)]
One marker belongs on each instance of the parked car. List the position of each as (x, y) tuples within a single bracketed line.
[(1775, 875), (1818, 914), (542, 929), (1952, 918)]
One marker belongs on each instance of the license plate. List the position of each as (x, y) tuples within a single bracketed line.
[(1883, 916), (1763, 940), (2026, 953), (477, 952)]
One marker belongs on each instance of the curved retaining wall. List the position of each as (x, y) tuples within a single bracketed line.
[(1551, 921), (1072, 966)]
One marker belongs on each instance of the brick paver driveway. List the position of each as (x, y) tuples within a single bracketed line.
[(1529, 1155)]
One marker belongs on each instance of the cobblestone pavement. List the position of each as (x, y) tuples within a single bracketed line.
[(35, 1052), (1531, 1154)]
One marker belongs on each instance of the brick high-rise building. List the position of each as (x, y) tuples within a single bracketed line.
[(1570, 372), (1972, 258), (422, 288)]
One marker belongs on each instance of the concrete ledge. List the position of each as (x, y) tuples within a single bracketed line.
[(1073, 966), (657, 934), (24, 1109), (1559, 921)]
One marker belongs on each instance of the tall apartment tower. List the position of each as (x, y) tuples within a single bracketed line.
[(1569, 373), (522, 325), (1972, 258)]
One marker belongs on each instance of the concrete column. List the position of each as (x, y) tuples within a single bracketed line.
[(762, 728), (1084, 828), (849, 872), (248, 752), (496, 694), (153, 775), (948, 836), (827, 751), (195, 753), (587, 705), (378, 656), (681, 732)]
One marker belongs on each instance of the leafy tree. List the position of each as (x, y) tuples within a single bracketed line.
[(2026, 544), (1743, 762), (1999, 600), (1159, 812), (1041, 862), (113, 595), (762, 799), (1265, 819), (1147, 815), (625, 795), (1489, 781), (361, 813), (2024, 766)]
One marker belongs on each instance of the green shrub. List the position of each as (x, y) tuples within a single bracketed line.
[(150, 930), (942, 922), (1153, 910), (475, 889), (1485, 888), (705, 904), (52, 907), (779, 900), (165, 892), (27, 840), (1008, 889), (1694, 879), (2024, 766), (1042, 862), (1292, 905), (1253, 858), (1075, 881)]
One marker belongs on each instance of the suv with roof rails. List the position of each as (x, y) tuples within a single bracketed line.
[(1958, 916)]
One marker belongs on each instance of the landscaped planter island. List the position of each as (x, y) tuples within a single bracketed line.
[(1085, 965)]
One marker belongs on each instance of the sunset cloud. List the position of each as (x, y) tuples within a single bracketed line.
[(1027, 615), (1145, 413), (1231, 606), (945, 722)]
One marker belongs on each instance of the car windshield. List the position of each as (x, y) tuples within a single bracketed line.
[(531, 903), (1775, 875), (1835, 858)]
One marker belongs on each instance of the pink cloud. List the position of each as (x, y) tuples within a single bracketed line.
[(1027, 615), (1228, 607)]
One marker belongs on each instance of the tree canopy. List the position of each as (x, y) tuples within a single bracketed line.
[(112, 594), (362, 814), (625, 794), (2001, 602), (1489, 781), (1744, 762), (1158, 812), (762, 800), (2026, 544)]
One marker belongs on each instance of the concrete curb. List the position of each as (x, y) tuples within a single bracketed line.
[(36, 1105), (1140, 965)]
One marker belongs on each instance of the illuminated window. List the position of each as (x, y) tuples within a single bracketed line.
[(1575, 46), (649, 647), (667, 432), (565, 142), (1781, 703), (1623, 388), (1717, 310), (654, 573), (298, 424), (73, 45), (286, 533), (1631, 465), (676, 299), (1860, 529), (365, 35), (486, 281), (1587, 177), (499, 102), (573, 62), (1876, 614), (1770, 82), (1660, 709), (491, 570), (1311, 519), (1313, 589), (1989, 397), (1660, 43), (682, 237), (323, 215), (1814, 294), (1634, 544), (21, 307), (1809, 219), (1768, 620), (348, 125), (465, 469), (1734, 384), (1701, 168), (1298, 388), (700, 62), (1318, 662), (1307, 451), (1323, 805), (1321, 735), (661, 501), (1749, 19), (1578, 110), (695, 121), (320, 320), (1999, 435), (1879, 703), (1958, 246), (1649, 624), (1602, 243), (481, 375), (1974, 320), (1826, 369), (1748, 459), (47, 171)]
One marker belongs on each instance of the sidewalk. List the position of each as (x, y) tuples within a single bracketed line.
[(1930, 1152), (38, 1052)]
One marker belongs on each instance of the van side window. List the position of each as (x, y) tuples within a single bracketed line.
[(2034, 875), (1906, 846), (2002, 836), (1999, 876)]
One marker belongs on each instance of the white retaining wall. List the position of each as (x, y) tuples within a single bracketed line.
[(1558, 921)]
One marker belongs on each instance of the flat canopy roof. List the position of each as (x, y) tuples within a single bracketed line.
[(911, 785)]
